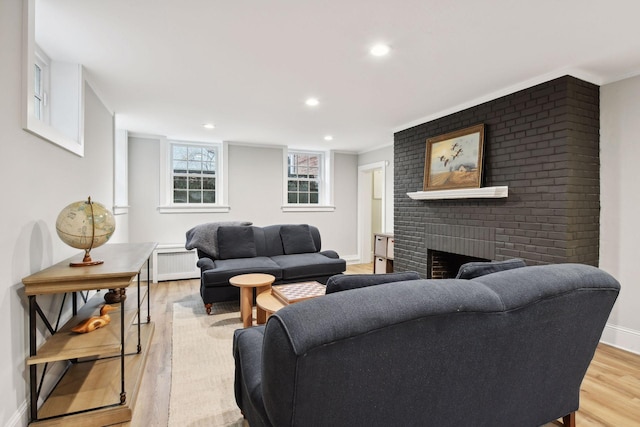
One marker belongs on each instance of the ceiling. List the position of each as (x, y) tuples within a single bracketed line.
[(166, 67)]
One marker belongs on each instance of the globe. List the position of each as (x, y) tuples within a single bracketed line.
[(85, 225)]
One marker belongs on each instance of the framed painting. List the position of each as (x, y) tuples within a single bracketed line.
[(454, 160)]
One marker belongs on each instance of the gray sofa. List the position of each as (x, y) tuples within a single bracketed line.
[(291, 253), (508, 348)]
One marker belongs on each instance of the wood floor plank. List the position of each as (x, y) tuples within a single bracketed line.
[(610, 393)]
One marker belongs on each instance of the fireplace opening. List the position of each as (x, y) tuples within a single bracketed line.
[(445, 265)]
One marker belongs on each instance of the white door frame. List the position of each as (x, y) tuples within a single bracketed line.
[(364, 207)]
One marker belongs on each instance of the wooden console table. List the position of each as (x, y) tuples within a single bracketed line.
[(92, 390)]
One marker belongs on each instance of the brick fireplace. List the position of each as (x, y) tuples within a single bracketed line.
[(541, 142)]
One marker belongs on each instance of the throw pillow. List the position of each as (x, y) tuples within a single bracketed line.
[(297, 239), (477, 269), (236, 242), (344, 282)]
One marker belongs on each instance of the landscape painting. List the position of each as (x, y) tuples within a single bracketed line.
[(454, 160)]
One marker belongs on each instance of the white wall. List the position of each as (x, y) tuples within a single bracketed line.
[(255, 194), (39, 179), (620, 206)]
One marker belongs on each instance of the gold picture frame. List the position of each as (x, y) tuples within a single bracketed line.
[(454, 160)]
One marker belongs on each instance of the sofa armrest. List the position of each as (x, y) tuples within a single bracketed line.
[(205, 264), (247, 353), (330, 254)]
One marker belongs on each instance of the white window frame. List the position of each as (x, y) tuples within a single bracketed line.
[(42, 61), (166, 180), (325, 196)]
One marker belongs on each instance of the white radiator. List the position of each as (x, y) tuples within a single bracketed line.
[(174, 262)]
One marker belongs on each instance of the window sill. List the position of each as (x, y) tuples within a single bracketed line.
[(308, 208), (173, 209)]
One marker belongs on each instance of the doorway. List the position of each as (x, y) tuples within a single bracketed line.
[(371, 207)]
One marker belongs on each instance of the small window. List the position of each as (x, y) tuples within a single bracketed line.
[(304, 178), (41, 86), (194, 173)]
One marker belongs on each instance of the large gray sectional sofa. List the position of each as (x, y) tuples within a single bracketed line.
[(507, 348), (289, 252)]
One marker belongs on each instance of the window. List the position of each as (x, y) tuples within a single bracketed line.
[(194, 173), (304, 177), (41, 86), (307, 182)]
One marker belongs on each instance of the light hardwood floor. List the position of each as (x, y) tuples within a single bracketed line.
[(610, 392)]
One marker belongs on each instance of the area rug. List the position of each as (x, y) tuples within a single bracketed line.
[(202, 367)]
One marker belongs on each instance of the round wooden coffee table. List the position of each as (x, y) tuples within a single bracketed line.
[(246, 283), (268, 304)]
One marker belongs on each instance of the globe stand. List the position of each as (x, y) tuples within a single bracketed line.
[(86, 261)]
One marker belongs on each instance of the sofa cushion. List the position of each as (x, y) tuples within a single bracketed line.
[(344, 282), (227, 268), (477, 269), (204, 237), (297, 239), (236, 242), (302, 266)]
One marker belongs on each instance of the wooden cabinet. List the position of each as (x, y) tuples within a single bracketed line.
[(383, 253), (104, 367)]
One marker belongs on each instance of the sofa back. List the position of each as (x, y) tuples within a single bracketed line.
[(269, 240), (266, 241), (506, 348)]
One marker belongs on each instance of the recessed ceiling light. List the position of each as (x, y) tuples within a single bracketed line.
[(312, 102), (208, 126), (328, 138), (380, 50)]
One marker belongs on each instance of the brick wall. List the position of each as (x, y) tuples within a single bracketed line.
[(543, 142)]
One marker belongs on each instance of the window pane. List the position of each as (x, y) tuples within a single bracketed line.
[(195, 153), (292, 198), (303, 197), (179, 166), (313, 185), (180, 182), (179, 196), (195, 167), (179, 152), (304, 186), (313, 198), (209, 183), (195, 183), (313, 172), (195, 197), (208, 166), (208, 197), (38, 80), (292, 185), (210, 155)]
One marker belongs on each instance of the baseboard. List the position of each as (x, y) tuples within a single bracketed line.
[(20, 417), (351, 259), (621, 337)]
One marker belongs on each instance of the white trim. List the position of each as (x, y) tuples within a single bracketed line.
[(462, 193), (29, 121), (174, 209), (621, 337), (307, 208), (20, 417), (352, 259), (166, 206), (364, 207), (379, 147), (121, 210), (325, 197)]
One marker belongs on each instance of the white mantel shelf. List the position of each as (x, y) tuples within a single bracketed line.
[(462, 193)]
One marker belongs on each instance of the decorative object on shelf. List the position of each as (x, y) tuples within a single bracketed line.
[(95, 322), (85, 225), (115, 295), (454, 160)]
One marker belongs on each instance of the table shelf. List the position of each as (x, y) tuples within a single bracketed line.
[(66, 344)]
